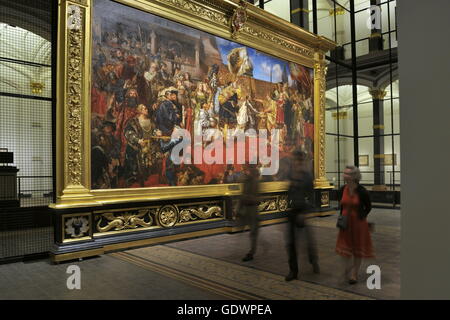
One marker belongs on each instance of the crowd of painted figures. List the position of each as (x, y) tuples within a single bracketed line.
[(139, 96)]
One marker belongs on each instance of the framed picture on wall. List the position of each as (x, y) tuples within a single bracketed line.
[(364, 160), (162, 80), (390, 159)]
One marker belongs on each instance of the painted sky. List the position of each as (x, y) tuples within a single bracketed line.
[(265, 67)]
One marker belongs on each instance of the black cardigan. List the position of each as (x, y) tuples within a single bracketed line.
[(364, 199)]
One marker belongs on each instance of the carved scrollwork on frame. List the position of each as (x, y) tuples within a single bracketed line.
[(74, 94), (201, 212), (199, 10), (128, 220), (156, 217), (277, 40), (267, 205), (273, 204)]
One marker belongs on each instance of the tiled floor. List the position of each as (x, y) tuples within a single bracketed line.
[(272, 255), (101, 278), (107, 277)]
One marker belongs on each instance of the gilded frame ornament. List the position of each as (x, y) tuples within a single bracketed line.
[(121, 221), (76, 227), (262, 31)]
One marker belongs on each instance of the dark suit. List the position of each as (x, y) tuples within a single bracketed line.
[(249, 208), (299, 194)]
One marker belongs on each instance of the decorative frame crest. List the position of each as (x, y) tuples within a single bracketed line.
[(238, 19)]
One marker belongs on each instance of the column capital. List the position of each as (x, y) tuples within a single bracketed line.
[(377, 94)]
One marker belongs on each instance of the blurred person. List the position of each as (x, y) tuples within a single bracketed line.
[(248, 207), (230, 176), (354, 241), (299, 194)]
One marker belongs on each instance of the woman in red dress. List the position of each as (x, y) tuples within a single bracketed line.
[(354, 241)]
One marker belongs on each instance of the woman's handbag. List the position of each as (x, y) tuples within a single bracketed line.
[(342, 222)]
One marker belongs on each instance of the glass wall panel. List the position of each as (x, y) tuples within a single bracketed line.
[(362, 4), (362, 48), (340, 30), (347, 51), (345, 121), (330, 122), (21, 44), (343, 3), (394, 43), (362, 29), (279, 8), (394, 90), (26, 130), (336, 25), (388, 116), (365, 119), (346, 151), (26, 109), (325, 21), (23, 79), (392, 163), (331, 158), (384, 17), (393, 15), (366, 153), (388, 16)]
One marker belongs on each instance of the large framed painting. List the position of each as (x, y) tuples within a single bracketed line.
[(168, 99)]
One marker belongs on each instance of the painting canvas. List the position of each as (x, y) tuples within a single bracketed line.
[(152, 76)]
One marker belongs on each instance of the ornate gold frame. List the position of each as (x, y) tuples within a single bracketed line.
[(262, 31)]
